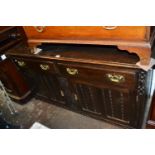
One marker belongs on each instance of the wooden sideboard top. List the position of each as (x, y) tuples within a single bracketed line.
[(80, 53)]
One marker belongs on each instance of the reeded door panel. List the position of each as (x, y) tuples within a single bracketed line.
[(107, 103), (89, 98)]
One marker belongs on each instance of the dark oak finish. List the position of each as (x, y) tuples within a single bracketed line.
[(99, 75), (46, 82), (98, 81), (134, 39), (13, 80)]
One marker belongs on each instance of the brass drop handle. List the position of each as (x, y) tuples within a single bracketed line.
[(44, 67), (39, 28), (72, 71), (75, 97), (21, 63), (62, 93), (110, 27), (115, 78)]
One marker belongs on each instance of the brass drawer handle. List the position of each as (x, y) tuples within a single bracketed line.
[(39, 28), (44, 67), (21, 63), (115, 78), (110, 27), (72, 71)]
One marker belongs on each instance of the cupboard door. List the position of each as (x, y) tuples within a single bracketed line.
[(89, 98), (119, 106), (48, 87), (67, 93)]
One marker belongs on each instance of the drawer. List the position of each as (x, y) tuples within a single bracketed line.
[(86, 32), (111, 77), (37, 65)]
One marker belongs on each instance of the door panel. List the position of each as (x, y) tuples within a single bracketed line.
[(89, 98), (117, 105), (111, 104)]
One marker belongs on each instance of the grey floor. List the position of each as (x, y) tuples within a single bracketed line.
[(51, 116)]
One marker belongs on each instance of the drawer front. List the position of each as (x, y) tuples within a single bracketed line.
[(37, 65), (103, 77), (86, 32)]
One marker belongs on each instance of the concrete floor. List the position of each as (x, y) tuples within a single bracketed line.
[(51, 116)]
